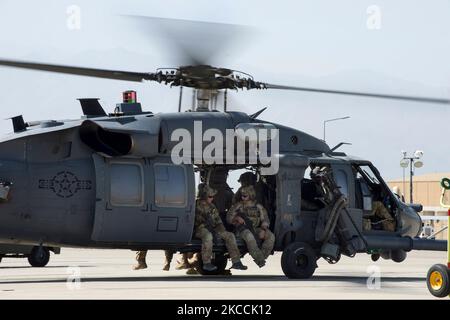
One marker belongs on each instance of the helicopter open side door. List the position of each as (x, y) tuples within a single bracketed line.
[(290, 221), (352, 220), (143, 201)]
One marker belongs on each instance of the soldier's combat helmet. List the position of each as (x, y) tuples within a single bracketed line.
[(205, 191), (249, 191), (247, 179)]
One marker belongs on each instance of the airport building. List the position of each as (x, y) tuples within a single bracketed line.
[(427, 191)]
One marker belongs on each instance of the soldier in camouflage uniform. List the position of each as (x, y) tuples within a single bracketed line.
[(380, 211), (141, 263), (207, 222), (246, 179), (249, 209)]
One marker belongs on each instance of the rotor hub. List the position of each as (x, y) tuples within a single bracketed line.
[(206, 77)]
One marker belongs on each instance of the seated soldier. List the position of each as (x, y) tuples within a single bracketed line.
[(380, 214), (387, 221), (208, 223), (252, 223)]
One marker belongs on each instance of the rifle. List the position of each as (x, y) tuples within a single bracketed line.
[(247, 225), (209, 224)]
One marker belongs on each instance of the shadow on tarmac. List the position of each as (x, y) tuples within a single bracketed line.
[(235, 278), (46, 267)]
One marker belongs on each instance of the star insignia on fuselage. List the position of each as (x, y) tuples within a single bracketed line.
[(65, 184)]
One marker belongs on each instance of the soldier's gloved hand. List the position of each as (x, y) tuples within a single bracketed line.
[(262, 234), (239, 220)]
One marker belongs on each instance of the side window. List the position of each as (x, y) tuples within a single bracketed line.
[(341, 181), (170, 185), (126, 184)]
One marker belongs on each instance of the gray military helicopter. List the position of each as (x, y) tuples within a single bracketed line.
[(107, 180)]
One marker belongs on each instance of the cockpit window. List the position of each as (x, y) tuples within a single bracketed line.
[(368, 174)]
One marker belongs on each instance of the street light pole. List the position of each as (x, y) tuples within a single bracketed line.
[(412, 161), (329, 120), (411, 173)]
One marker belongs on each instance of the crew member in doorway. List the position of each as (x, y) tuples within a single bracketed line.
[(208, 224), (252, 225), (246, 179)]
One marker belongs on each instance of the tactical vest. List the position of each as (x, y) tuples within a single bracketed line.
[(252, 212), (206, 214)]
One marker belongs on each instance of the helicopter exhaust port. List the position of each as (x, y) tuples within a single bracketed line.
[(113, 140)]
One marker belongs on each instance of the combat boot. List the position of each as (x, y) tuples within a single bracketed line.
[(166, 266), (209, 267), (238, 266), (182, 265), (260, 263), (191, 271), (140, 258), (140, 265)]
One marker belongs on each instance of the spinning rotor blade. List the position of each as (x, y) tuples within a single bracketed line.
[(90, 72), (191, 43), (361, 94)]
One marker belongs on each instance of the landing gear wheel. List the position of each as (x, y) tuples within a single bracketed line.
[(438, 280), (298, 261), (219, 260), (375, 257), (398, 255), (39, 257)]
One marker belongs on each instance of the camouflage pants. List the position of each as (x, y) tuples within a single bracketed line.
[(268, 242), (252, 245), (207, 244), (381, 212)]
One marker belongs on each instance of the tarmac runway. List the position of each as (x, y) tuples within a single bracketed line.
[(107, 274)]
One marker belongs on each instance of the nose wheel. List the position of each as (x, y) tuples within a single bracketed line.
[(39, 256), (438, 280)]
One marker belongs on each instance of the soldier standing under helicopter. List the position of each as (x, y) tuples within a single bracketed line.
[(142, 264)]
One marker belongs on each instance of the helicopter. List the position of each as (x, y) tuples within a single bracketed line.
[(108, 180)]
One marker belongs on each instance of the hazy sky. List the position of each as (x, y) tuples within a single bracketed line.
[(325, 44)]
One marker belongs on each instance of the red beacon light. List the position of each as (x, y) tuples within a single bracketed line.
[(129, 96), (129, 105)]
